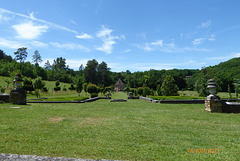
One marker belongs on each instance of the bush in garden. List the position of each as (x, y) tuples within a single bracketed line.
[(106, 89), (92, 88), (146, 91), (72, 87), (57, 88), (140, 91), (94, 95)]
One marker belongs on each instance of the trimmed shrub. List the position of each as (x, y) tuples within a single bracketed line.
[(57, 89), (72, 87), (94, 95), (92, 88), (140, 91), (45, 89)]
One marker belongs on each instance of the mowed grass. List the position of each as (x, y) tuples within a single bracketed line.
[(132, 130)]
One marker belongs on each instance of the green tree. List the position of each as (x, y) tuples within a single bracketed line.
[(92, 89), (169, 88), (146, 91), (140, 91), (27, 84), (79, 86), (38, 85), (85, 87), (229, 91), (7, 81), (37, 58), (236, 86), (103, 73), (90, 71), (48, 65), (21, 55), (159, 90)]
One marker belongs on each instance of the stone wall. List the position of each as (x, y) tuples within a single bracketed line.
[(231, 107), (4, 97)]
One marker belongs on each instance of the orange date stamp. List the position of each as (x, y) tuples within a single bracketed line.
[(201, 150)]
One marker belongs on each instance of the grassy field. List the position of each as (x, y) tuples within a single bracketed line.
[(133, 130)]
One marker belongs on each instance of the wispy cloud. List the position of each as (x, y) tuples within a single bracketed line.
[(3, 18), (205, 24), (199, 41), (29, 30), (70, 46), (84, 36), (224, 58), (38, 44), (158, 43), (10, 44), (127, 51), (147, 47), (108, 40), (31, 17)]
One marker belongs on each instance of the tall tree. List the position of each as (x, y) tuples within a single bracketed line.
[(91, 71), (48, 65), (79, 86), (21, 55), (169, 88), (104, 74), (81, 68), (60, 64), (37, 58)]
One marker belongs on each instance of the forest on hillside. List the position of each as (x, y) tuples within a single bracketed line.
[(226, 74)]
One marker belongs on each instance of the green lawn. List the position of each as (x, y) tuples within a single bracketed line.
[(133, 130)]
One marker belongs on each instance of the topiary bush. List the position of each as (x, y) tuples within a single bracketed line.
[(94, 95), (72, 87), (57, 89)]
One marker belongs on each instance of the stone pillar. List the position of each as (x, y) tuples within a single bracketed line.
[(18, 95), (213, 102)]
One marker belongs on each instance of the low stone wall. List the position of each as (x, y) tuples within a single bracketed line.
[(17, 157), (182, 101), (133, 97), (118, 100), (145, 98), (83, 101), (4, 97), (231, 107)]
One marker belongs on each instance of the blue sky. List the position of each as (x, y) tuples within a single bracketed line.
[(135, 35)]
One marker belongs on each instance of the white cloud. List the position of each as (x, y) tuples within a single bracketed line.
[(127, 51), (198, 41), (38, 44), (84, 36), (148, 66), (205, 24), (212, 38), (29, 30), (31, 17), (236, 54), (108, 40), (10, 44), (147, 47), (70, 46), (3, 18), (158, 43), (76, 63)]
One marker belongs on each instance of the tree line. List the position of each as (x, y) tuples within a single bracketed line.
[(226, 74)]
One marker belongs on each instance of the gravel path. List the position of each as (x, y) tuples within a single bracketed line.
[(16, 157)]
